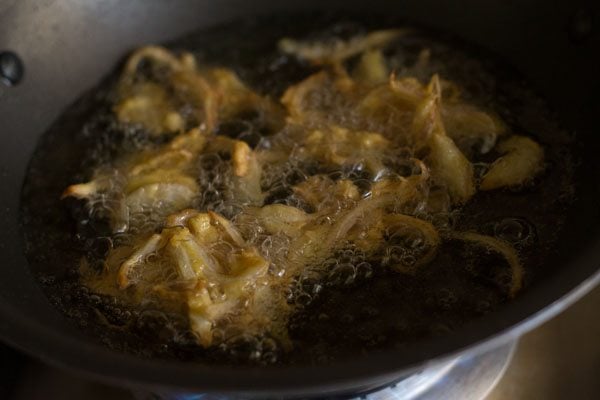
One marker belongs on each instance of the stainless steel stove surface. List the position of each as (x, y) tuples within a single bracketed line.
[(558, 360), (445, 380)]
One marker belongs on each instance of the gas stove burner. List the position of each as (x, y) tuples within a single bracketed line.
[(464, 378), (468, 377)]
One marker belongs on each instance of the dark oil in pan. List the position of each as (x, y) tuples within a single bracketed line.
[(354, 310)]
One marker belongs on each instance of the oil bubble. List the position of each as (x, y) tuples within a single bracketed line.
[(514, 230), (342, 274)]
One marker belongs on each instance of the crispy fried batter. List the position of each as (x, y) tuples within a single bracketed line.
[(522, 160)]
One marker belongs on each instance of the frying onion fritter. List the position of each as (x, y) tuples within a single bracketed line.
[(197, 229)]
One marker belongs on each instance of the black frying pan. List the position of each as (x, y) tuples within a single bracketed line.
[(66, 46)]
